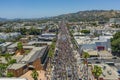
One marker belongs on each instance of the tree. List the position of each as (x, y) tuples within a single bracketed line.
[(85, 55), (115, 44), (12, 61), (2, 40), (20, 47), (97, 71), (50, 55), (34, 75), (7, 57), (116, 36), (23, 31), (85, 31), (2, 69), (94, 24), (10, 74), (51, 52), (34, 31)]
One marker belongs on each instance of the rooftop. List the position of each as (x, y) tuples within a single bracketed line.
[(38, 54), (6, 44), (39, 42), (32, 54), (49, 34), (13, 45), (2, 60), (16, 66), (91, 52), (104, 53)]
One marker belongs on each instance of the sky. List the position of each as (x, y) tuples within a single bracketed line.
[(46, 8)]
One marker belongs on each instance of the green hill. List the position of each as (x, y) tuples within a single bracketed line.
[(92, 15)]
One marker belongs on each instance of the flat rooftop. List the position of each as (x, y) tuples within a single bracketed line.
[(48, 34), (27, 57), (2, 60), (13, 45), (6, 44), (92, 52), (105, 53), (16, 66), (38, 54), (84, 40), (39, 42)]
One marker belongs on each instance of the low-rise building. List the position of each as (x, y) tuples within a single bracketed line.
[(12, 48), (92, 53), (36, 59), (98, 44), (47, 37), (6, 36), (3, 46), (24, 40), (39, 43), (18, 69)]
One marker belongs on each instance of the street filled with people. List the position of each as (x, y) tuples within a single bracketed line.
[(64, 66)]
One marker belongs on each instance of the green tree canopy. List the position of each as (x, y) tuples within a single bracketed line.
[(97, 71), (10, 74), (2, 40), (85, 55), (116, 36), (7, 57), (19, 46), (2, 69), (85, 31), (115, 43), (34, 75), (51, 50), (12, 61)]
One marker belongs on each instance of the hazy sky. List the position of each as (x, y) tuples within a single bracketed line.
[(45, 8)]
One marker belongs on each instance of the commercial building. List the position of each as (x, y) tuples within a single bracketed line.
[(97, 44), (3, 47), (9, 35), (36, 59), (47, 37), (12, 48)]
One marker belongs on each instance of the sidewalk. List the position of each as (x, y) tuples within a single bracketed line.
[(41, 76)]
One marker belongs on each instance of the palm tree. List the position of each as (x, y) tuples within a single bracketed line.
[(97, 71), (85, 55), (20, 47), (34, 75)]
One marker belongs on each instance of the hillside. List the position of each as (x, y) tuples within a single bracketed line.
[(92, 15), (89, 15), (3, 19)]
